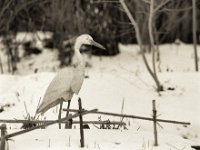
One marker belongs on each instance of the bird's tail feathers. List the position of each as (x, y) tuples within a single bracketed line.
[(46, 106)]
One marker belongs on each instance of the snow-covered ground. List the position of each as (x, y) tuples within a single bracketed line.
[(111, 81)]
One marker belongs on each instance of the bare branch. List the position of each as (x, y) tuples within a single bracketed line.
[(179, 9), (146, 1), (161, 5), (5, 8), (110, 1)]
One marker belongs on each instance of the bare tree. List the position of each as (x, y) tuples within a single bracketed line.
[(139, 40), (151, 24), (10, 17)]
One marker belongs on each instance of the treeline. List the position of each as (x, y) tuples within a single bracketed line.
[(105, 21)]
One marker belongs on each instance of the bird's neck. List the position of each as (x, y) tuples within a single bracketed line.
[(78, 57), (77, 46)]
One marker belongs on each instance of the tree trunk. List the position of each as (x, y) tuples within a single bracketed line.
[(194, 29), (1, 65), (152, 43)]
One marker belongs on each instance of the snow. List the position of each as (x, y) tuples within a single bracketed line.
[(105, 139), (111, 81)]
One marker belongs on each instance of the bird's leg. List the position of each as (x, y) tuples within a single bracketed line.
[(59, 115), (67, 114)]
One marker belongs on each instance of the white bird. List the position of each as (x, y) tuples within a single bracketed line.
[(69, 80)]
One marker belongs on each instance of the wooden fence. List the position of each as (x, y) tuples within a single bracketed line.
[(79, 113)]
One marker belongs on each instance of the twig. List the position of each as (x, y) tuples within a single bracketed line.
[(177, 10), (27, 113), (122, 111), (37, 108)]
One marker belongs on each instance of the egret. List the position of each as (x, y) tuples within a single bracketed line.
[(69, 80)]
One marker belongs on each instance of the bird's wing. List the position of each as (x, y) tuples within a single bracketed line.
[(60, 87)]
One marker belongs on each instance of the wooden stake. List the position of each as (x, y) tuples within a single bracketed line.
[(81, 123), (68, 125), (70, 122), (155, 123), (3, 137), (59, 115)]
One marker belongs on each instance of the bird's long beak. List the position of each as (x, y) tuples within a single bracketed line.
[(97, 44)]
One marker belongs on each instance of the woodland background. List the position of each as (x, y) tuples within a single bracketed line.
[(106, 21)]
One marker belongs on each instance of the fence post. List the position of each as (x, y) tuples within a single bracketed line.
[(155, 123), (59, 116), (68, 124), (3, 135), (81, 123)]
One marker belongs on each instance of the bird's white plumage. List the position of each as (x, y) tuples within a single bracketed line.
[(69, 80)]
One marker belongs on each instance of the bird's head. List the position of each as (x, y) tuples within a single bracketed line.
[(87, 40)]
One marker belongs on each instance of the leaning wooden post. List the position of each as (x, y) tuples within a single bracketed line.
[(81, 123), (3, 137), (59, 115), (68, 124), (155, 123)]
